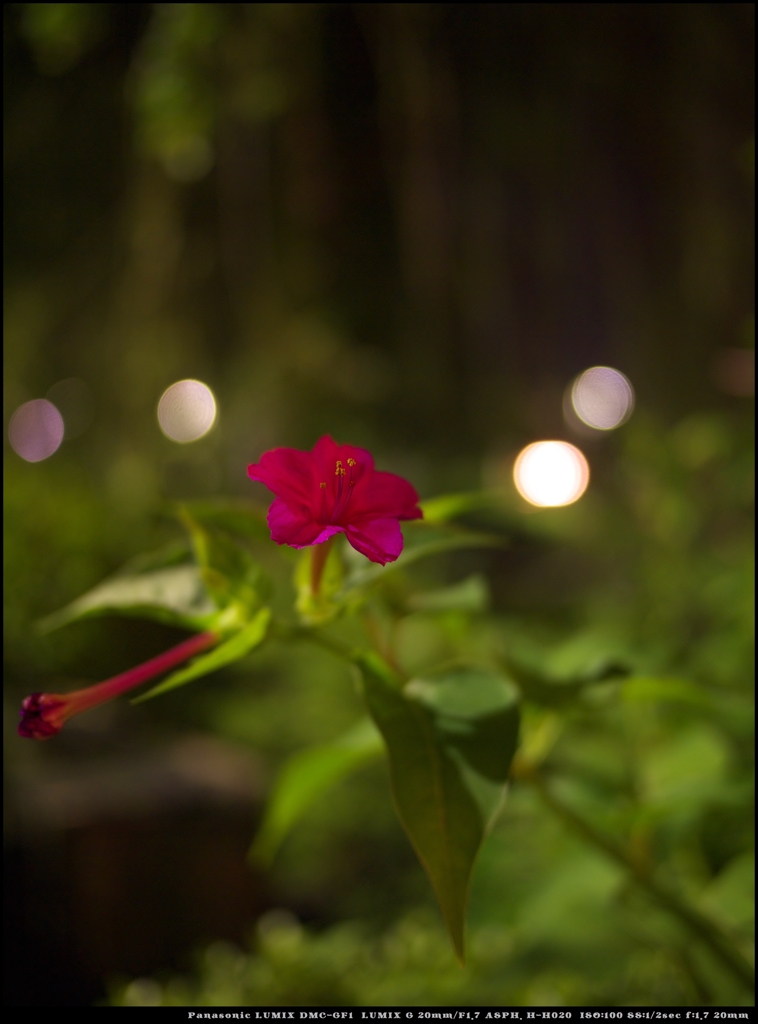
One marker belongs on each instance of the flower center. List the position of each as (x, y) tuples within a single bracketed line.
[(342, 491)]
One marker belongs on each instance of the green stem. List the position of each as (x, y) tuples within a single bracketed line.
[(703, 927), (319, 555)]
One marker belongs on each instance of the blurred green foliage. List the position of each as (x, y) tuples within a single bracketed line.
[(659, 762), (410, 226)]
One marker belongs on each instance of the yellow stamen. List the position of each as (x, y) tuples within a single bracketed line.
[(339, 471), (351, 462)]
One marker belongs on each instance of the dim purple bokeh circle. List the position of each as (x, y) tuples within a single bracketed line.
[(602, 397), (36, 430)]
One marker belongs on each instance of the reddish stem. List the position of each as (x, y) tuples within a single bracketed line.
[(94, 695), (43, 714)]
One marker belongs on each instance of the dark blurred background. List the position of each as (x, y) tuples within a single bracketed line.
[(406, 225)]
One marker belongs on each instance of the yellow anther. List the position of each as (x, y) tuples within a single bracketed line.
[(322, 485), (339, 471), (351, 462)]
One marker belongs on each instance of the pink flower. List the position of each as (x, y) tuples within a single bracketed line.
[(335, 489), (44, 714)]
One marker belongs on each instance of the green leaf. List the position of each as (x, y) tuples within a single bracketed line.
[(458, 541), (734, 710), (651, 689), (240, 518), (176, 552), (470, 595), (476, 711), (315, 609), (220, 593), (451, 740), (240, 644), (228, 570), (306, 777), (449, 506), (556, 693), (175, 595)]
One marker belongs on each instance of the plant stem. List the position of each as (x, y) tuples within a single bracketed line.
[(319, 555), (703, 927), (43, 714), (94, 695)]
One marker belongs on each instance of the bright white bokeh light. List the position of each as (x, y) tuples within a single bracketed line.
[(551, 473), (602, 398), (36, 430), (186, 411)]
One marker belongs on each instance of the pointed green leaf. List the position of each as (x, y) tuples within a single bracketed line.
[(555, 693), (240, 644), (176, 552), (175, 595), (470, 595), (451, 740), (458, 541), (228, 570), (306, 776), (653, 689), (240, 518), (449, 506)]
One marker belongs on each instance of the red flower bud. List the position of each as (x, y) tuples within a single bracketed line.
[(43, 714)]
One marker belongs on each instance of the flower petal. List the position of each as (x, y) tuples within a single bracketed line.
[(327, 452), (383, 495), (291, 474), (327, 532), (380, 540), (293, 527), (332, 489)]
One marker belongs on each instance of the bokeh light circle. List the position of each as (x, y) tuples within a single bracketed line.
[(551, 473), (36, 430), (186, 411), (602, 398)]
